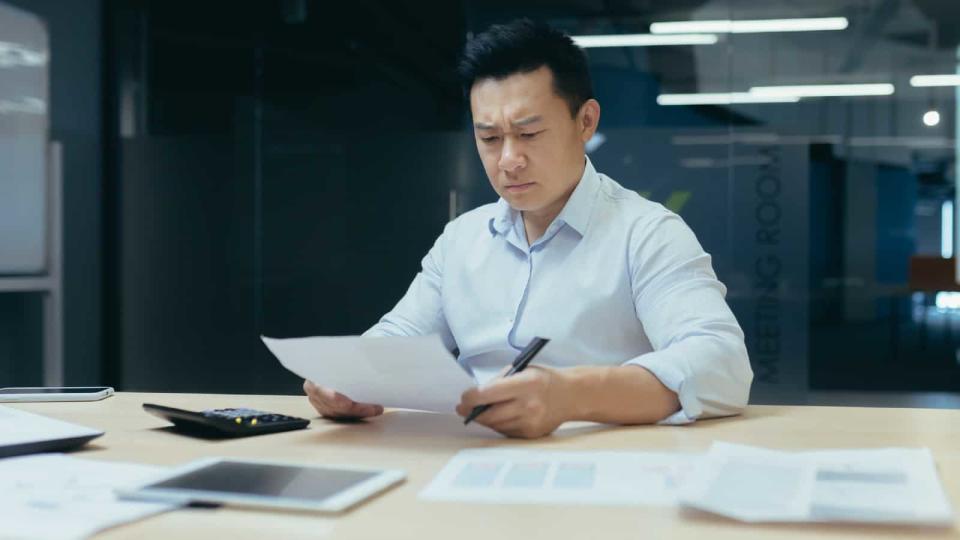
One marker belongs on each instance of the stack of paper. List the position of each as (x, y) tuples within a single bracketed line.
[(890, 485), (55, 497)]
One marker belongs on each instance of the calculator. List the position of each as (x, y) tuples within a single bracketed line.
[(238, 422)]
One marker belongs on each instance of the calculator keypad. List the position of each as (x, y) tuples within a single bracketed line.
[(247, 414)]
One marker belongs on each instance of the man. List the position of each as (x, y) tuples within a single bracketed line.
[(640, 332)]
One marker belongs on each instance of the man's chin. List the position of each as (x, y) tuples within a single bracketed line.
[(521, 204)]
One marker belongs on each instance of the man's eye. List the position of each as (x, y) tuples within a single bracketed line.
[(529, 135), (491, 139)]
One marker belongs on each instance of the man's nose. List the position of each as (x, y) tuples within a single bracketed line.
[(511, 159)]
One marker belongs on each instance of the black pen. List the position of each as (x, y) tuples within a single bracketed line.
[(519, 364)]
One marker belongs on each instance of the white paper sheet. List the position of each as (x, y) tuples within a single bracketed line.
[(537, 477), (19, 427), (401, 372), (57, 497), (890, 485)]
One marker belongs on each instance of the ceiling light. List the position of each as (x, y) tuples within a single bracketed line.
[(907, 142), (935, 80), (824, 90), (643, 40), (931, 118), (750, 27), (15, 55), (726, 98)]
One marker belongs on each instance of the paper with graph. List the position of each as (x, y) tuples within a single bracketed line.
[(559, 477)]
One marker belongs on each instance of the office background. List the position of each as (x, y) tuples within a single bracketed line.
[(280, 167)]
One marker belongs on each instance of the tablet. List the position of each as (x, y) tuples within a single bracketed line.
[(266, 484)]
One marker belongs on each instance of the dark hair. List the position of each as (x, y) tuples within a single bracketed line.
[(522, 46)]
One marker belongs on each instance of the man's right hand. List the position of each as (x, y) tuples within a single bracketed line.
[(332, 404)]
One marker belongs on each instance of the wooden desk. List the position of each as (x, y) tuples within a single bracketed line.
[(422, 443)]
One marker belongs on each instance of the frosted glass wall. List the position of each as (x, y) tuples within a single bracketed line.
[(24, 59)]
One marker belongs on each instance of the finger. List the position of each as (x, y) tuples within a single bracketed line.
[(503, 389), (475, 397), (500, 413), (331, 402), (364, 410), (329, 395), (516, 428), (320, 407)]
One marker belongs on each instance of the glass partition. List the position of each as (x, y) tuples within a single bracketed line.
[(284, 174)]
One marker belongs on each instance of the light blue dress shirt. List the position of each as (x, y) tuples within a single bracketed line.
[(615, 280)]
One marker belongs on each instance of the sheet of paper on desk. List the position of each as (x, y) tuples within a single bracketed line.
[(554, 477), (891, 485), (54, 497), (402, 372), (19, 427)]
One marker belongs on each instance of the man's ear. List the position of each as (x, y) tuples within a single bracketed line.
[(588, 118)]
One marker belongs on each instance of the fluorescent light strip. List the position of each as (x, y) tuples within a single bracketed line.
[(643, 40), (824, 90), (721, 99), (935, 80), (757, 26), (911, 142)]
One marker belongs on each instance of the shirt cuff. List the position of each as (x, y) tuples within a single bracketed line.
[(664, 368)]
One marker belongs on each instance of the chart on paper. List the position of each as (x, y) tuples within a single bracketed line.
[(535, 477)]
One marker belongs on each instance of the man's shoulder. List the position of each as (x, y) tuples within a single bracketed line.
[(647, 224), (627, 205), (473, 221), (480, 214)]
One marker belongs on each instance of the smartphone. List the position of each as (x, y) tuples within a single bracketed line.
[(55, 393)]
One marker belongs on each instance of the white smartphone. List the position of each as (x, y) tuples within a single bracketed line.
[(54, 393), (267, 484)]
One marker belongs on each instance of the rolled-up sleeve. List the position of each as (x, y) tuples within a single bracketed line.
[(698, 346)]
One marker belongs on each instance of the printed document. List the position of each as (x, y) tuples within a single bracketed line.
[(890, 485), (401, 372), (54, 497), (560, 477), (19, 427)]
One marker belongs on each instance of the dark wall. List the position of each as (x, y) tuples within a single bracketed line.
[(291, 170), (75, 120)]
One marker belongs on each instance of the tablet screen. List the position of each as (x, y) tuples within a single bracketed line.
[(267, 479)]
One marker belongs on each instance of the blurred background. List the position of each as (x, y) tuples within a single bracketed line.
[(178, 178)]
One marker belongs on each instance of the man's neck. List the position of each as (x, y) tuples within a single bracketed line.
[(535, 223)]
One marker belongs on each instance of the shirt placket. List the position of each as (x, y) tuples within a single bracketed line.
[(521, 294)]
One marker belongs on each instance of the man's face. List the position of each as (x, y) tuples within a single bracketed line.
[(530, 144)]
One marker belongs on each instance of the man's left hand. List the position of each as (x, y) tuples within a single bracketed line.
[(530, 404)]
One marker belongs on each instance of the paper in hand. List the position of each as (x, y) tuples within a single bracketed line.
[(401, 372)]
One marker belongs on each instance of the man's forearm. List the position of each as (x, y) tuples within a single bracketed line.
[(617, 395)]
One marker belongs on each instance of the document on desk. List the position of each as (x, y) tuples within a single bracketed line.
[(21, 429), (58, 497), (890, 485), (555, 477), (401, 372)]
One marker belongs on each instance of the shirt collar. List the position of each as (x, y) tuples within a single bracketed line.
[(576, 213)]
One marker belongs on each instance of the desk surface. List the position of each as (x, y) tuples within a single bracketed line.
[(422, 443)]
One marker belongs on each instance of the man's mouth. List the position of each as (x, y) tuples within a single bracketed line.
[(515, 188)]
